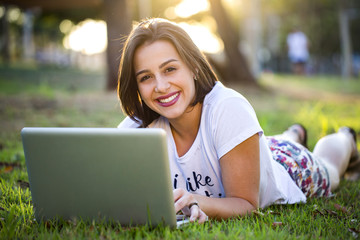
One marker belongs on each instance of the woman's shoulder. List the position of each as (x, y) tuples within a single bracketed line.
[(222, 96), (129, 123), (160, 122)]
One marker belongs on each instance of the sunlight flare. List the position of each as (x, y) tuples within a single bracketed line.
[(188, 8), (203, 37), (88, 37)]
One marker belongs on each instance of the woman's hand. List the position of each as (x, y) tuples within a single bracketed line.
[(187, 203)]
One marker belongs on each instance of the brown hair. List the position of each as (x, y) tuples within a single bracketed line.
[(149, 31)]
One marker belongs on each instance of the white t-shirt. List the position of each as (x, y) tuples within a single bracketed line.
[(227, 120)]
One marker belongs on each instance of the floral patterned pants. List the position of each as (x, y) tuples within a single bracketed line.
[(306, 170)]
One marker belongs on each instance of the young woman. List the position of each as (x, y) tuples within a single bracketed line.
[(222, 165)]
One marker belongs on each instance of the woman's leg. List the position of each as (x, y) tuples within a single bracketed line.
[(296, 133), (335, 150)]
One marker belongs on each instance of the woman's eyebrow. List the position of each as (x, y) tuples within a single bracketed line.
[(140, 72), (167, 62), (160, 66)]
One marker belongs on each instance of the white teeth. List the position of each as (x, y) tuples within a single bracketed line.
[(169, 99)]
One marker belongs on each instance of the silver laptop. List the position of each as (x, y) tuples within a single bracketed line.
[(100, 173)]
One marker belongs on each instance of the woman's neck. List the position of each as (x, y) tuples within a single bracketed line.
[(185, 129)]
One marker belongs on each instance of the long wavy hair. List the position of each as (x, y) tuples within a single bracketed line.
[(149, 31)]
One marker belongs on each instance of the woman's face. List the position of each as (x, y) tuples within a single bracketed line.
[(165, 83)]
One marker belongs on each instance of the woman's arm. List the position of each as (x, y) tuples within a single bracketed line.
[(240, 169)]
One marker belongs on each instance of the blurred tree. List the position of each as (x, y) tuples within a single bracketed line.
[(46, 29), (354, 15), (118, 20), (5, 35), (28, 39), (345, 39), (236, 68)]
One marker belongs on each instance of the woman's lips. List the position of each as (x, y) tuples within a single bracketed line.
[(168, 100)]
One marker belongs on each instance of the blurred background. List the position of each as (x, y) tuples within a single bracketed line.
[(242, 38)]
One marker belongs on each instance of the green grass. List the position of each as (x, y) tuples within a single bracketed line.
[(18, 79), (71, 98)]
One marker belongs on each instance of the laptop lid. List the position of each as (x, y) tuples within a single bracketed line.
[(100, 173)]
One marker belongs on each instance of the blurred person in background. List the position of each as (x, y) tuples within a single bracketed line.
[(298, 51)]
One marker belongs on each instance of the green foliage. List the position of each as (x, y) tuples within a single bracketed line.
[(322, 104)]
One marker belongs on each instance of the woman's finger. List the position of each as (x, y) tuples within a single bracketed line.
[(203, 217), (194, 211), (197, 214), (181, 199), (178, 193)]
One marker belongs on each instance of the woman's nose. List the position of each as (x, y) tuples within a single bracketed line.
[(162, 85)]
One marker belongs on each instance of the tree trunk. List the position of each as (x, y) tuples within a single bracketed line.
[(345, 38), (118, 19), (236, 68), (28, 39), (5, 35)]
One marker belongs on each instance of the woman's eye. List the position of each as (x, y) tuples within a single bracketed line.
[(170, 69), (144, 78)]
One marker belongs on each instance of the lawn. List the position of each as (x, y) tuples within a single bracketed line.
[(71, 98)]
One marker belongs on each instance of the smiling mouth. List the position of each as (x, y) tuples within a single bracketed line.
[(169, 99)]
